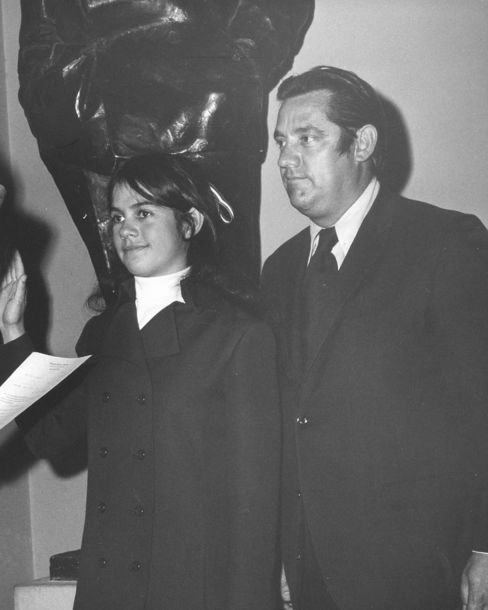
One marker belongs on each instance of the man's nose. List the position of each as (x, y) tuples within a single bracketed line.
[(288, 157)]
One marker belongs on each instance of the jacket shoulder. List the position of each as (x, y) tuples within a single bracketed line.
[(90, 340), (414, 211), (417, 229), (287, 253)]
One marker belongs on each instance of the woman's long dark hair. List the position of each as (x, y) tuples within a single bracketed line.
[(176, 182)]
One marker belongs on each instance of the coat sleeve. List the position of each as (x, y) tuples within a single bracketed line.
[(254, 447), (459, 323), (12, 354), (56, 421)]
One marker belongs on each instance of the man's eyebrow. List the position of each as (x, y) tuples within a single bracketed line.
[(301, 130), (308, 128)]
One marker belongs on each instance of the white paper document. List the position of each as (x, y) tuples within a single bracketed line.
[(36, 376)]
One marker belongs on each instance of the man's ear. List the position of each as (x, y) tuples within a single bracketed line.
[(365, 142), (197, 222)]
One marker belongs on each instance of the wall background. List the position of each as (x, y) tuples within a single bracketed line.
[(15, 533), (427, 58)]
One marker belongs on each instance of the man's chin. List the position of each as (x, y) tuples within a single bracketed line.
[(301, 204)]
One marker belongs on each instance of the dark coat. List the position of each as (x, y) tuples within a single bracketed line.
[(386, 427), (184, 451)]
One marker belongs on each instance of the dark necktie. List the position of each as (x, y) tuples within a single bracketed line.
[(321, 272)]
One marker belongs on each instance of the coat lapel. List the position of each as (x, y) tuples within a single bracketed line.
[(126, 341), (163, 325), (360, 262), (123, 339)]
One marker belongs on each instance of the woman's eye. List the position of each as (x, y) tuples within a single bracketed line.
[(306, 139), (115, 219), (280, 143), (143, 213)]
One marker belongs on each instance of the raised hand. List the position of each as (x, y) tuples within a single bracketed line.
[(13, 300)]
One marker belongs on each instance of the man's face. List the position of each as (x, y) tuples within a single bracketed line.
[(321, 182)]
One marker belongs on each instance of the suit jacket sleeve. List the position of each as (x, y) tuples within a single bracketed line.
[(254, 471), (460, 323)]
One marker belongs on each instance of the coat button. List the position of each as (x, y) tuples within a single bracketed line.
[(138, 510), (102, 507), (103, 452), (173, 37), (140, 455), (135, 566), (302, 420), (141, 399), (102, 562), (105, 396), (299, 493)]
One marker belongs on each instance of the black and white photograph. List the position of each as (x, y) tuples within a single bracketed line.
[(243, 305)]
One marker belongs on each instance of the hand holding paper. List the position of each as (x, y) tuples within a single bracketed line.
[(36, 376)]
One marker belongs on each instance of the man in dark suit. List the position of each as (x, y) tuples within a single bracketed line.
[(385, 384)]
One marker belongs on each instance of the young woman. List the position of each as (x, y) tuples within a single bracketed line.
[(180, 409)]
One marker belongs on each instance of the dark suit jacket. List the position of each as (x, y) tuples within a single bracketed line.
[(386, 427), (184, 454)]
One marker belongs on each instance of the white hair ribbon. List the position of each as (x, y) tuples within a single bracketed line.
[(226, 212)]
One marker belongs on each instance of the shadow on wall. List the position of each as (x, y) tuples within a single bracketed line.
[(398, 165), (31, 237)]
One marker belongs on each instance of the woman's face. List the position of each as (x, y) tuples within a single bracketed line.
[(146, 236)]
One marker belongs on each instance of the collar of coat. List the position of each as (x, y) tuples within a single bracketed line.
[(124, 338), (197, 294)]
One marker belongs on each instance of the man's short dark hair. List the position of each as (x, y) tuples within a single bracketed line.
[(352, 103)]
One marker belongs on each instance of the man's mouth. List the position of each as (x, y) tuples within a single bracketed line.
[(132, 248), (289, 178)]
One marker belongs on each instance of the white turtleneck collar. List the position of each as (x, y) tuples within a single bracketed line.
[(155, 293)]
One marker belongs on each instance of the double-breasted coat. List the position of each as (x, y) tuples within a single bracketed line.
[(386, 426), (184, 456)]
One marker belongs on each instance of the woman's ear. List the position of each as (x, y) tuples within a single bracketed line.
[(197, 223)]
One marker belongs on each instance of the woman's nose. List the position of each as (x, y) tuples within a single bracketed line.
[(127, 229)]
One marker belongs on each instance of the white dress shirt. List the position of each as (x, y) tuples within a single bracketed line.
[(348, 224)]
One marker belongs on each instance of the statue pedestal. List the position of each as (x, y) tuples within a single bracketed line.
[(45, 594)]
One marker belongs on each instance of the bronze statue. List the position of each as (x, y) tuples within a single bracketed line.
[(103, 80)]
